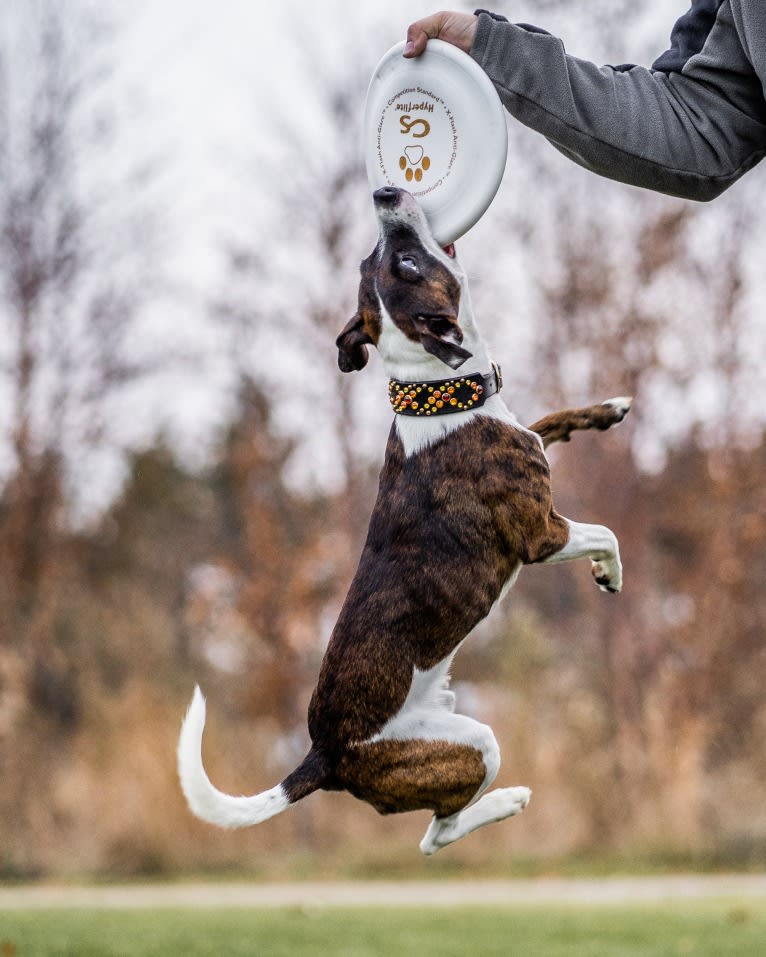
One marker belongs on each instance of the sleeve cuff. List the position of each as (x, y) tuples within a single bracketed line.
[(482, 36), (495, 16)]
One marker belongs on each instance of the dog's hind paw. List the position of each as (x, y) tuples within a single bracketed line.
[(494, 806)]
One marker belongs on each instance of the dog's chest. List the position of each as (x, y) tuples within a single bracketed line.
[(478, 496), (450, 526)]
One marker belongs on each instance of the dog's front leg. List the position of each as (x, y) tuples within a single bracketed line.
[(597, 543), (558, 426)]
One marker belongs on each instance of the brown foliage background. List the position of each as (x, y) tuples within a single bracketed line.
[(638, 721)]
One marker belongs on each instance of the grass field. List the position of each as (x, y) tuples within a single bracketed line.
[(709, 929)]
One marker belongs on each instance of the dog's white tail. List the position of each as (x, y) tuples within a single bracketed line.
[(206, 801)]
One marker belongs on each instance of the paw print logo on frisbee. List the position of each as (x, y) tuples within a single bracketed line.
[(416, 141), (414, 163)]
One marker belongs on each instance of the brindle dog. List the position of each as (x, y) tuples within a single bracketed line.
[(464, 502)]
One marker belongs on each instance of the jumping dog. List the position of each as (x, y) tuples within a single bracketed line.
[(464, 501)]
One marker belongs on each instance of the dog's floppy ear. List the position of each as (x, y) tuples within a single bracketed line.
[(352, 345), (441, 336)]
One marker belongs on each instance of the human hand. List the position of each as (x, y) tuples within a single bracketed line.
[(458, 29)]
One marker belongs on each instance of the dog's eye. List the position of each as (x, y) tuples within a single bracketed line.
[(408, 268), (440, 325)]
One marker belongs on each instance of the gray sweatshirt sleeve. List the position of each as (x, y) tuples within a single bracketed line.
[(690, 133)]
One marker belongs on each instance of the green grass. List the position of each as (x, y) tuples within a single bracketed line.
[(710, 929)]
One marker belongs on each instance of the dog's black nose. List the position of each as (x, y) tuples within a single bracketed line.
[(387, 195)]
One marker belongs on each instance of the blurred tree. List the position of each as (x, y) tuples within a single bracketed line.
[(165, 522), (281, 552), (709, 542), (637, 719), (655, 313), (626, 292), (291, 288), (623, 297), (74, 275)]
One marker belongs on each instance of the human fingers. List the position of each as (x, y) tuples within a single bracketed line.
[(458, 29)]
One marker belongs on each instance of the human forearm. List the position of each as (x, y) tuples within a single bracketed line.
[(688, 135)]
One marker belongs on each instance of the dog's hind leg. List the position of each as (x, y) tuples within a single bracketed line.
[(396, 776), (597, 543), (558, 426), (437, 761), (497, 805)]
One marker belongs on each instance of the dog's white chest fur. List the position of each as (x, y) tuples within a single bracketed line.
[(418, 433), (406, 361)]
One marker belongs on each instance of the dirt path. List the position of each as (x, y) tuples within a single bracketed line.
[(621, 890)]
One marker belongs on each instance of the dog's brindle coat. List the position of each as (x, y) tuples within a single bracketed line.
[(464, 502)]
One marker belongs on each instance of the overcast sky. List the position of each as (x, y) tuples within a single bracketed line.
[(196, 86)]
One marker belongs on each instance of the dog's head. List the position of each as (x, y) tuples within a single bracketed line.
[(408, 281)]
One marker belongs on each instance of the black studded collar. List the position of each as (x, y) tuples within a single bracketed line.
[(444, 396)]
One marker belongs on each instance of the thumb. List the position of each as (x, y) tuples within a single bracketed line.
[(420, 32)]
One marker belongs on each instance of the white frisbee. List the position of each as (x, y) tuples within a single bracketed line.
[(435, 126)]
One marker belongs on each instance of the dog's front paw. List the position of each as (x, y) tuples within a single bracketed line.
[(616, 410), (608, 575)]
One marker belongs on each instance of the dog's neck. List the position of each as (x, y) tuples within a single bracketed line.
[(408, 362)]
